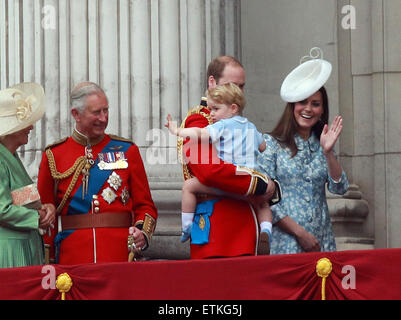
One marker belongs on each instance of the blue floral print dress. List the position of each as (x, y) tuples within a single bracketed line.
[(302, 179)]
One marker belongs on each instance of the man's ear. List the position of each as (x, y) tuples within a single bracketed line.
[(75, 114), (211, 82)]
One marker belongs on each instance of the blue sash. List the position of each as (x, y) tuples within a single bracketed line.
[(200, 233), (97, 178)]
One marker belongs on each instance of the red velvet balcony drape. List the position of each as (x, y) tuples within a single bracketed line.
[(375, 274)]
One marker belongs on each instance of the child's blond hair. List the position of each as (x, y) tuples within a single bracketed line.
[(229, 94)]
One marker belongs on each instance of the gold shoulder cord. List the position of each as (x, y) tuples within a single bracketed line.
[(180, 141), (76, 169)]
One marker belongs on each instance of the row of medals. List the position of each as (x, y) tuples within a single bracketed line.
[(107, 161)]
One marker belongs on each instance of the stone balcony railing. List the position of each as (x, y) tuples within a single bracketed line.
[(348, 215)]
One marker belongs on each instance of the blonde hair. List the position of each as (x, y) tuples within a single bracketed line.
[(229, 94)]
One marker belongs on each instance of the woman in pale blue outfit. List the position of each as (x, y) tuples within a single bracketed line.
[(299, 154)]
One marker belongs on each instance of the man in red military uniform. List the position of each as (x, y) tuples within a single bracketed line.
[(99, 186), (223, 227)]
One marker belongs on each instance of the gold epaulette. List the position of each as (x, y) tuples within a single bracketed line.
[(56, 143), (114, 137), (194, 110), (197, 110), (180, 141)]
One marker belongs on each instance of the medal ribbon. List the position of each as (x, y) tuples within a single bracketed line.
[(97, 178)]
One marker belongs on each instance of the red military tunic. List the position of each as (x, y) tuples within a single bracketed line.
[(129, 193), (233, 223)]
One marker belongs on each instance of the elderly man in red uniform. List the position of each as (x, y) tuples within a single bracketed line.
[(99, 186), (223, 227)]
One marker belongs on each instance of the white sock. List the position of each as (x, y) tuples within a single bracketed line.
[(186, 219), (266, 225)]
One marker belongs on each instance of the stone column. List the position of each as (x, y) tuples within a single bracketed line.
[(352, 222), (369, 77), (386, 97)]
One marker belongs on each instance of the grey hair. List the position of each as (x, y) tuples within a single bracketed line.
[(80, 92)]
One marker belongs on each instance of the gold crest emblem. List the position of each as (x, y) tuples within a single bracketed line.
[(202, 223)]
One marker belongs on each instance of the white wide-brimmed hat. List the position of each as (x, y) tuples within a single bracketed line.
[(21, 106), (306, 79)]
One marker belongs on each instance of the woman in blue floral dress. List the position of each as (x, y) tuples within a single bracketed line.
[(299, 154)]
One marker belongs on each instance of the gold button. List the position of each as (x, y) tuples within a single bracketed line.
[(97, 209)]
